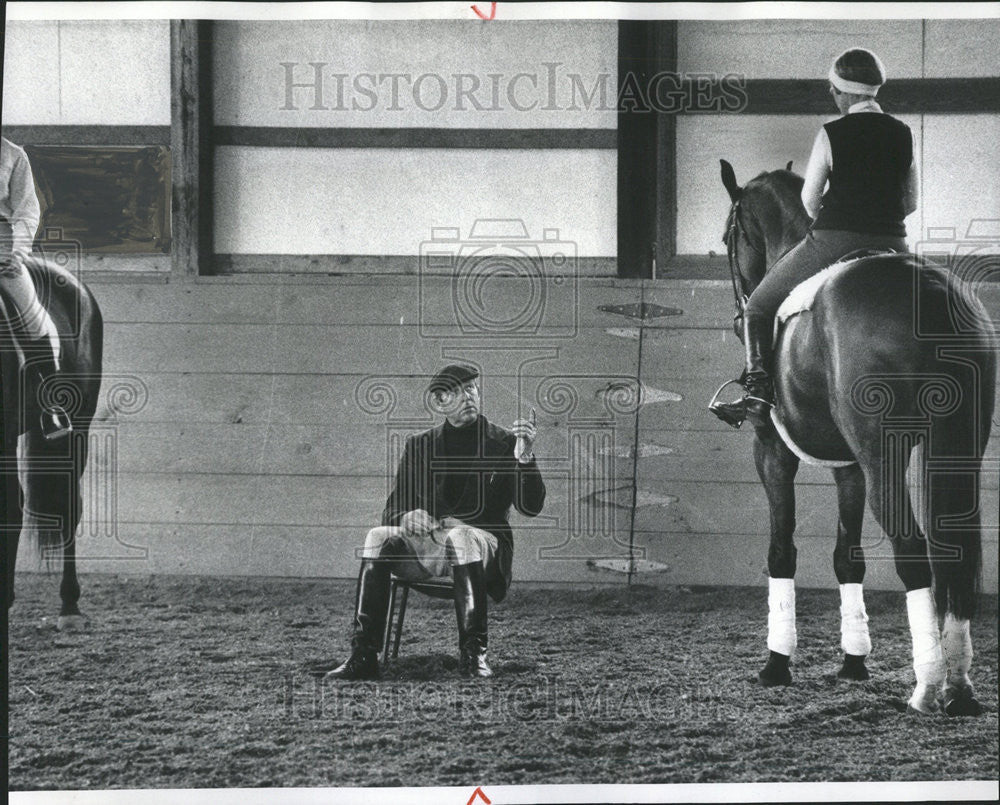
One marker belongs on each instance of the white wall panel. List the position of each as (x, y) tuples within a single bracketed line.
[(962, 48), (31, 73), (116, 72), (251, 82), (87, 72), (358, 201), (795, 48), (961, 181), (753, 144)]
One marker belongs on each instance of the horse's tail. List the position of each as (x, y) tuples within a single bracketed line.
[(953, 531), (952, 466)]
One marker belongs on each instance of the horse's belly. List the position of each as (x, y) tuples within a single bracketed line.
[(803, 395)]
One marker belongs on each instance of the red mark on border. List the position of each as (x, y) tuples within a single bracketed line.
[(493, 13), (479, 791)]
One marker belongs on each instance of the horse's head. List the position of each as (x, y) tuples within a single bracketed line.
[(766, 218)]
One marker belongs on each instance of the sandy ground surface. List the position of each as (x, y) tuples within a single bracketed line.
[(208, 682)]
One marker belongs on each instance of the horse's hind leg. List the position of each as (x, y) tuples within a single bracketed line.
[(954, 495), (849, 565), (70, 617), (55, 494), (890, 503), (776, 466)]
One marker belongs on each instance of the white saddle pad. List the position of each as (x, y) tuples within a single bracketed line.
[(802, 296)]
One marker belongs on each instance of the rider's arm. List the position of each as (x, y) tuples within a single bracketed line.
[(25, 212), (911, 187), (817, 172)]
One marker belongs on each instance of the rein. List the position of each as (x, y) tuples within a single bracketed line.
[(732, 253)]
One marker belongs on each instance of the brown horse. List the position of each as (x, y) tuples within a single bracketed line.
[(894, 353), (41, 489)]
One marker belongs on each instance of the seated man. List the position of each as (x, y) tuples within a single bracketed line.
[(447, 515)]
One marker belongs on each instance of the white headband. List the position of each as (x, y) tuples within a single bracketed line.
[(853, 87)]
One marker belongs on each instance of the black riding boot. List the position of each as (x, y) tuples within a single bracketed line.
[(370, 610), (758, 400), (470, 607), (40, 361)]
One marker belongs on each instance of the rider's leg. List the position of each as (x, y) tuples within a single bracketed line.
[(31, 326), (801, 262)]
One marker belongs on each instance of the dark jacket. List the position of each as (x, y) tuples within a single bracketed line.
[(495, 481)]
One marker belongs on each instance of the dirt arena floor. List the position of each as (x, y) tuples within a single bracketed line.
[(211, 682)]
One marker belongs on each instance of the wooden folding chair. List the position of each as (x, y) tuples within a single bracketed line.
[(435, 588)]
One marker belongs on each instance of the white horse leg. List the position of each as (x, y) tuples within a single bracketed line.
[(928, 658), (956, 643), (854, 637), (781, 635)]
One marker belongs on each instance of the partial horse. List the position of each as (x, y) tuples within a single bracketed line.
[(894, 354), (42, 479)]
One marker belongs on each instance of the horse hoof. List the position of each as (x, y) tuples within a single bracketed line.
[(71, 623), (775, 673), (853, 669), (961, 702), (924, 701)]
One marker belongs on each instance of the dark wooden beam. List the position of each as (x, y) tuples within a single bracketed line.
[(88, 135), (281, 137), (191, 148), (796, 96), (381, 264), (646, 148)]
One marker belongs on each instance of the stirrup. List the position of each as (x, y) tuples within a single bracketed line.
[(728, 412), (55, 424), (715, 397)]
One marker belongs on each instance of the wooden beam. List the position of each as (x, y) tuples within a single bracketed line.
[(283, 137), (88, 135), (646, 148), (796, 96), (380, 265), (191, 111)]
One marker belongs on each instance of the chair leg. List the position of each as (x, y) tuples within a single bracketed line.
[(399, 623), (388, 622)]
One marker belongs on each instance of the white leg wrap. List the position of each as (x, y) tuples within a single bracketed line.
[(854, 637), (781, 636), (956, 643), (928, 659)]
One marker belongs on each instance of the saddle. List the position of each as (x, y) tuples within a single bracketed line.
[(804, 294)]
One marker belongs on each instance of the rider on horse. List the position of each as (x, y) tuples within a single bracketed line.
[(867, 158), (29, 321)]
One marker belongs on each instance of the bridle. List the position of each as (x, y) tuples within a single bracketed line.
[(732, 238)]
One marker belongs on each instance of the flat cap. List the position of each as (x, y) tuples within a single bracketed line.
[(451, 377)]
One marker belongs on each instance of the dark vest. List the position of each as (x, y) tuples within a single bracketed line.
[(872, 153)]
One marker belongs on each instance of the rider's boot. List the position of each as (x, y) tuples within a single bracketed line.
[(758, 400), (371, 607), (40, 362)]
